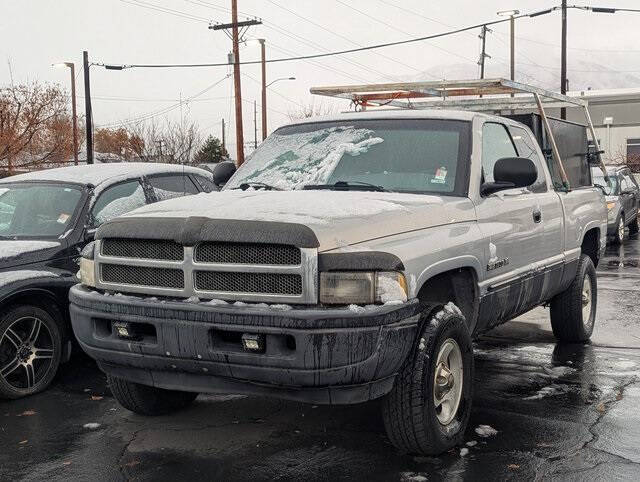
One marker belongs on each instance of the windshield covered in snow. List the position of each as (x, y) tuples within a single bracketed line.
[(37, 210), (404, 155)]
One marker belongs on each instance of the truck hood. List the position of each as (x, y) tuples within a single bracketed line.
[(337, 218), (22, 252)]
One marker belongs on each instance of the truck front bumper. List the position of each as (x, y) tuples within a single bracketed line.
[(315, 355)]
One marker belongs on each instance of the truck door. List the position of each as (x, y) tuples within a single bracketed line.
[(513, 222)]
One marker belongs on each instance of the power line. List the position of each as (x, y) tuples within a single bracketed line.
[(165, 110), (169, 11), (297, 38), (326, 54), (393, 27), (333, 32)]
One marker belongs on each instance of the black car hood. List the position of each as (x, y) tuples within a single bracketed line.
[(22, 252)]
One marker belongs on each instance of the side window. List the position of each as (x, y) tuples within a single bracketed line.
[(170, 186), (117, 200), (526, 147), (206, 184), (496, 144)]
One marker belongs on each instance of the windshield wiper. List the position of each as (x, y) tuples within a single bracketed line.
[(347, 186), (267, 187)]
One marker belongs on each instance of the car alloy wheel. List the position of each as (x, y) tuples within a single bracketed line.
[(448, 378), (621, 230), (26, 353)]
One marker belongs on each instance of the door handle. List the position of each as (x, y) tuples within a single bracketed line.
[(537, 216)]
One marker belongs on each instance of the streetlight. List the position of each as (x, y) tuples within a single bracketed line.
[(72, 66), (263, 62), (512, 21), (281, 78)]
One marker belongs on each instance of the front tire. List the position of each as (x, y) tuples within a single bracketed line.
[(30, 350), (618, 237), (428, 408), (633, 227), (149, 401), (573, 311)]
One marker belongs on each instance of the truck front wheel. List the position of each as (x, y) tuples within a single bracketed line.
[(428, 408), (150, 401), (573, 311)]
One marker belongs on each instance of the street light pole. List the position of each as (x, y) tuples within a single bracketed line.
[(87, 106), (263, 57), (74, 119)]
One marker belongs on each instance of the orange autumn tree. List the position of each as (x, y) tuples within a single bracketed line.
[(118, 141), (35, 126)]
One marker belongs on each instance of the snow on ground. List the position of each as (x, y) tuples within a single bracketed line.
[(486, 431)]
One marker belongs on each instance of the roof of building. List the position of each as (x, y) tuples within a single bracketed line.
[(608, 95), (99, 173)]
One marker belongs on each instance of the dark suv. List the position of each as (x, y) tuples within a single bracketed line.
[(46, 218)]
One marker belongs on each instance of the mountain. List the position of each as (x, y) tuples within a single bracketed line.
[(582, 74)]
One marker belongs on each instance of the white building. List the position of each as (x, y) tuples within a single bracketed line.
[(616, 117)]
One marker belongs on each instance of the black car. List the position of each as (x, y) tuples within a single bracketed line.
[(46, 218)]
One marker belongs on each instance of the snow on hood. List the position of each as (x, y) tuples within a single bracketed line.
[(12, 249), (338, 218)]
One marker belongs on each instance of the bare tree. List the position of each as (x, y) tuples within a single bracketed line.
[(171, 142), (311, 109), (35, 125)]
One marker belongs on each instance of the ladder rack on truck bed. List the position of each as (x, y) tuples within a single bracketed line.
[(454, 94)]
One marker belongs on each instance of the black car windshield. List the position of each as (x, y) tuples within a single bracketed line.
[(405, 155), (611, 188), (37, 210)]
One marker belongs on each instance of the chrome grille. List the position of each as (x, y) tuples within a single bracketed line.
[(230, 271), (247, 253), (142, 276), (143, 248), (264, 283)]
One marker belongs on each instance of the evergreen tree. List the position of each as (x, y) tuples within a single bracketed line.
[(211, 151)]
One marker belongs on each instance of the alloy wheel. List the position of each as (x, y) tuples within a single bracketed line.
[(448, 379), (26, 353)]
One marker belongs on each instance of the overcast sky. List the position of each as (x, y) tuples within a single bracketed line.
[(36, 33)]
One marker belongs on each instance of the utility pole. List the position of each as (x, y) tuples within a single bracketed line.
[(73, 112), (563, 59), (235, 37), (87, 106), (263, 57), (255, 125), (483, 54), (224, 144)]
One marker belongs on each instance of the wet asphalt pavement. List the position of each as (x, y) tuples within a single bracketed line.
[(565, 412)]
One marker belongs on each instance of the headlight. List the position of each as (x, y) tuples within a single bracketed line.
[(610, 205), (87, 273), (362, 288)]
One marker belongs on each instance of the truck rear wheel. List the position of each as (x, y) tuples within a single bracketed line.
[(573, 311), (428, 408), (150, 401)]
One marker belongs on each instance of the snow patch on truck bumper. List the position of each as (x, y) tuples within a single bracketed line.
[(316, 355)]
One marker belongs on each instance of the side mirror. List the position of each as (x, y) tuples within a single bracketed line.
[(89, 234), (223, 172), (509, 173)]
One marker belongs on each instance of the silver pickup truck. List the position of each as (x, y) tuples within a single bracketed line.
[(350, 258)]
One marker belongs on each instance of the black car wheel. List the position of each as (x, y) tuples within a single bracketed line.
[(30, 351), (633, 227), (428, 408)]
